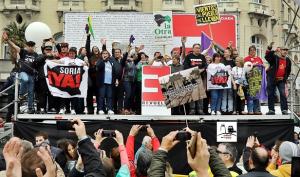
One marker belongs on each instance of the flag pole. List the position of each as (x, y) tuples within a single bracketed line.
[(210, 31)]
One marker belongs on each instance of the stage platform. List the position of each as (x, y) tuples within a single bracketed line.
[(154, 117)]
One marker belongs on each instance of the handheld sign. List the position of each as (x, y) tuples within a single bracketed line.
[(207, 13)]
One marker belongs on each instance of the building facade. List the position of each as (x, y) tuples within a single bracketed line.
[(259, 22)]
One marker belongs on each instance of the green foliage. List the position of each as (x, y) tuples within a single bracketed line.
[(16, 33)]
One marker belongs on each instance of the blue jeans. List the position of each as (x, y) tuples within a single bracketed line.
[(253, 104), (271, 95), (216, 100), (227, 100), (128, 88), (105, 94), (27, 86)]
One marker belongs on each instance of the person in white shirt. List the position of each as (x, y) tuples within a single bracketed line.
[(239, 82), (216, 94)]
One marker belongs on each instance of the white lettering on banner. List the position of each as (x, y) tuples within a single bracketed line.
[(70, 70), (149, 89), (227, 18)]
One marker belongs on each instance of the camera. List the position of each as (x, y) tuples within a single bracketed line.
[(109, 133), (65, 125), (183, 136)]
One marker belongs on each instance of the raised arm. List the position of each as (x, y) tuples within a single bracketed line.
[(182, 48), (90, 158), (88, 46), (12, 44)]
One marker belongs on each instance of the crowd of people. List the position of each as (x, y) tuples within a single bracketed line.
[(115, 78), (84, 157)]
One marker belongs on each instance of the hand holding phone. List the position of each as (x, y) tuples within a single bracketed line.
[(183, 136), (64, 125), (109, 133)]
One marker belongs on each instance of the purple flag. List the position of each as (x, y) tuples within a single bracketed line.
[(205, 43)]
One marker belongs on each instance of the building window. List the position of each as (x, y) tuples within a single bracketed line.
[(17, 1), (178, 2), (121, 2), (258, 43), (224, 0), (168, 1), (66, 3), (6, 54), (75, 3), (289, 16), (34, 2), (257, 1)]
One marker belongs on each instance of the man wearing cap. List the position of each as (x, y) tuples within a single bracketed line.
[(43, 92), (63, 49), (278, 73), (26, 69)]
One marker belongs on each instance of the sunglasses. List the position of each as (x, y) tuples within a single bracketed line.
[(220, 152)]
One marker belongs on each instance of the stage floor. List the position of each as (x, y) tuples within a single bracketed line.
[(140, 117)]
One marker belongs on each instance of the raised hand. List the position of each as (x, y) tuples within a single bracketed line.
[(200, 162), (168, 141), (79, 128), (150, 131), (135, 130), (12, 153), (49, 163), (119, 138)]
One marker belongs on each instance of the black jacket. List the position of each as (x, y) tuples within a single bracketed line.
[(273, 60), (90, 158), (246, 156), (100, 72), (92, 60), (190, 61), (119, 66)]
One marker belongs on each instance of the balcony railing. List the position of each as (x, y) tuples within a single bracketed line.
[(70, 5), (122, 5), (173, 5), (228, 6), (27, 5), (259, 9)]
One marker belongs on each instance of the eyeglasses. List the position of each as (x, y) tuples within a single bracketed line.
[(220, 152)]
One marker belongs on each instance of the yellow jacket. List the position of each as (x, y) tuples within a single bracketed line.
[(284, 170), (194, 174)]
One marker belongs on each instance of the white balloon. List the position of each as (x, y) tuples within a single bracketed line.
[(37, 32)]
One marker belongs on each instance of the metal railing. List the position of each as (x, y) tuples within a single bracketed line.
[(292, 93)]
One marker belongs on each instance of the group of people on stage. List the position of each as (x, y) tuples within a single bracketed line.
[(115, 78)]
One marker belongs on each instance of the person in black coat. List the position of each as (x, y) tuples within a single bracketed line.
[(277, 75), (105, 79)]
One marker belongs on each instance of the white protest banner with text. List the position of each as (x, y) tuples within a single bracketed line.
[(66, 81)]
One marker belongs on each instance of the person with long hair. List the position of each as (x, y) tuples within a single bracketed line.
[(216, 94)]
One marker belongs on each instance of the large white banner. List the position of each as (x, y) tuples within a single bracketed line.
[(114, 26), (66, 81)]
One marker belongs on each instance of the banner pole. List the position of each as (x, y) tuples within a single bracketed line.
[(184, 109), (210, 31)]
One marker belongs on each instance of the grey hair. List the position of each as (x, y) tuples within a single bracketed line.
[(231, 149), (27, 146)]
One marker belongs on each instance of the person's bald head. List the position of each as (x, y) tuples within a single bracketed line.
[(259, 158)]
